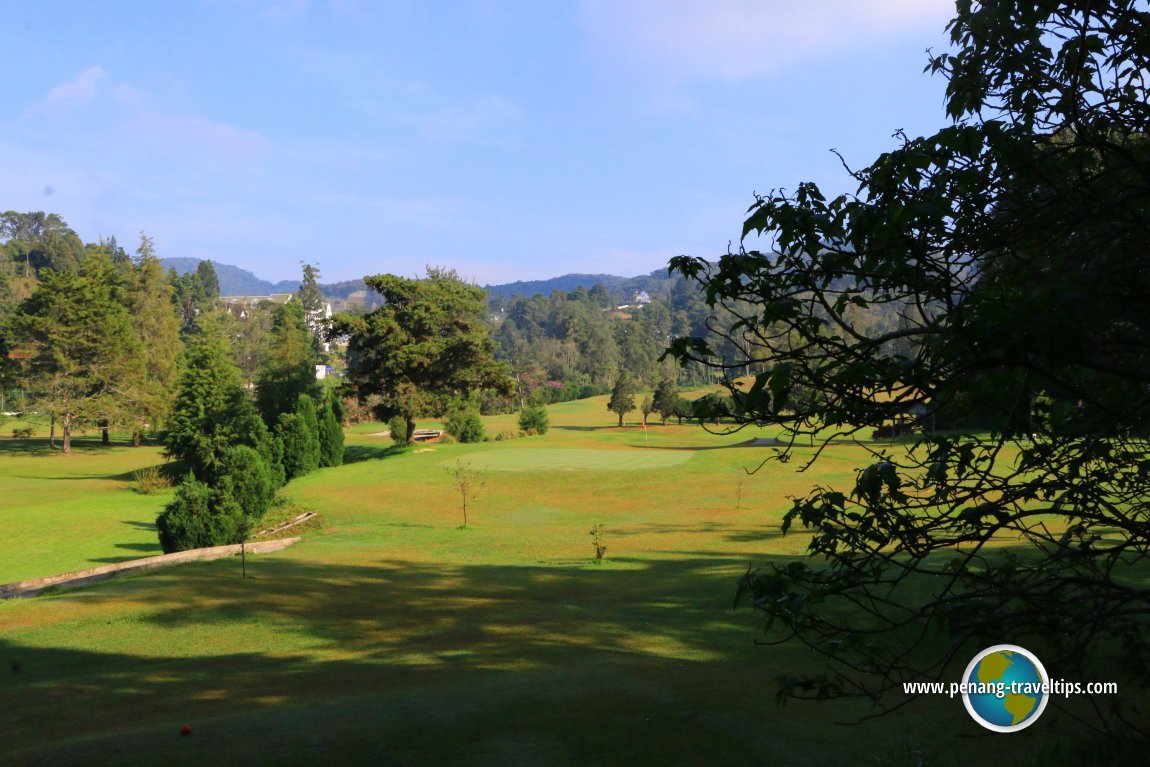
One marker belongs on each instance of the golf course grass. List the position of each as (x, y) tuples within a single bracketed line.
[(577, 459), (393, 635)]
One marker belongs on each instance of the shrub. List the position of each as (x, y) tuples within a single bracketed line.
[(534, 417), (22, 433), (465, 426), (150, 480), (196, 519), (398, 428), (247, 480), (504, 435)]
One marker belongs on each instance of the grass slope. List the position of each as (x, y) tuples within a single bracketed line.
[(394, 635)]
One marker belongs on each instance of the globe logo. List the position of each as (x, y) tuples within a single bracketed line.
[(1005, 688)]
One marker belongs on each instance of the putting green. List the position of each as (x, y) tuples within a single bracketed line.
[(576, 459)]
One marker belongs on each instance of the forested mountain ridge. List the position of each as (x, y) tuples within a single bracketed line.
[(234, 281), (655, 283)]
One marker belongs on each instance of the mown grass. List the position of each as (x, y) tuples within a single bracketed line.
[(60, 513), (392, 635)]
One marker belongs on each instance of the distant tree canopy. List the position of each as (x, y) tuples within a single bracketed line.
[(425, 348), (37, 241), (1015, 245), (194, 293)]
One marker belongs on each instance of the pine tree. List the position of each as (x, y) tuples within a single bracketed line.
[(310, 297), (330, 418), (288, 369), (83, 354), (209, 280), (299, 432), (156, 322), (212, 411)]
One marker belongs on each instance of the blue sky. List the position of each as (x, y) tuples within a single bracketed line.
[(510, 140)]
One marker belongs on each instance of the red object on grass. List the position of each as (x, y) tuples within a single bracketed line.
[(186, 729)]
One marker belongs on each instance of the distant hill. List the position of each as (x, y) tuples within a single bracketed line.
[(657, 283), (234, 281), (566, 283)]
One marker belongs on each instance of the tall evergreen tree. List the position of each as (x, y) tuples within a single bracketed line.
[(330, 417), (310, 298), (288, 368), (156, 322), (83, 355), (298, 430), (212, 411), (210, 281)]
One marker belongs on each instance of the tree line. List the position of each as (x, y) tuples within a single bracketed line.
[(95, 338)]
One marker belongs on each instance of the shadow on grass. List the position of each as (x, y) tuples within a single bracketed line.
[(30, 446), (743, 444), (634, 662), (422, 664), (584, 428), (719, 529), (358, 453), (142, 547)]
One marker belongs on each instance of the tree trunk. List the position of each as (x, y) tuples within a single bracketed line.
[(105, 437), (66, 438), (410, 429), (52, 432)]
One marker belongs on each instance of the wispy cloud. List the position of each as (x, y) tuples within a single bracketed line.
[(671, 42), (66, 96), (124, 124)]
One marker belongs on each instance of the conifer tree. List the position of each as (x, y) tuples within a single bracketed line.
[(330, 418), (212, 411), (83, 355), (299, 433), (154, 317), (288, 369), (310, 298)]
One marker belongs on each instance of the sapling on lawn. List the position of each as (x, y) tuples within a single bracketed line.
[(468, 482), (597, 539)]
